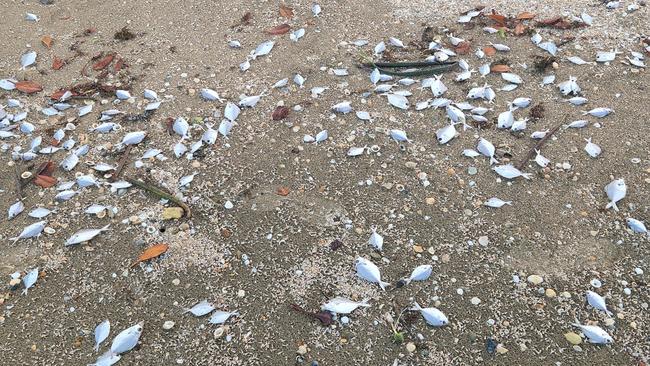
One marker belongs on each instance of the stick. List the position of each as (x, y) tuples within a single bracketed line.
[(162, 194), (121, 163), (538, 146), (406, 64)]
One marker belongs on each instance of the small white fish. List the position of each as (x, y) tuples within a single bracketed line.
[(262, 49), (578, 124), (211, 95), (500, 47), (250, 101), (432, 316), (16, 209), (69, 162), (85, 235), (598, 112), (597, 302), (616, 191), (595, 334), (541, 160), (343, 107), (519, 125), (509, 171), (30, 279), (636, 226), (636, 62), (342, 305), (577, 100), (536, 38), (356, 151), (185, 180), (316, 10), (364, 116), (521, 102), (39, 212), (496, 202), (376, 241), (455, 41), (231, 111), (505, 119), (201, 308), (297, 34), (152, 106), (27, 59), (133, 138), (107, 359), (399, 136), (380, 48), (547, 80), (406, 81), (484, 70), (586, 18), (317, 91), (549, 47), (122, 94), (127, 339), (220, 317), (340, 72), (122, 184), (471, 153), (592, 149), (150, 94), (512, 78), (94, 209), (398, 101), (446, 134), (103, 167), (438, 88), (359, 42), (321, 136), (102, 330), (602, 56), (31, 231), (569, 87), (180, 149), (65, 195), (577, 60), (299, 80), (396, 42), (224, 128), (486, 148), (369, 272), (181, 127), (64, 186), (31, 17), (420, 273), (245, 65), (280, 83)]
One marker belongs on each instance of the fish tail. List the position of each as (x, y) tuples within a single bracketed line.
[(15, 239), (383, 285), (493, 160), (105, 227), (527, 175), (96, 348), (584, 113), (365, 301), (609, 313), (612, 204), (24, 292), (416, 306)]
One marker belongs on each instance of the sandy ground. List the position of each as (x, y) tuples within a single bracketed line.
[(270, 250)]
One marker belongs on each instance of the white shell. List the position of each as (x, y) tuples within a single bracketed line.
[(356, 151), (27, 59)]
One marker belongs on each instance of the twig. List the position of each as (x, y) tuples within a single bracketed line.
[(406, 64), (162, 194), (122, 163), (538, 146)]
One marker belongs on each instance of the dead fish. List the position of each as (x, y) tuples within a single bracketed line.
[(486, 148), (597, 302), (538, 135), (133, 138), (455, 41), (636, 226), (470, 153), (342, 305), (30, 279), (592, 149), (122, 184), (569, 87), (152, 106), (317, 91), (102, 330), (399, 136), (521, 102), (594, 334), (250, 101), (369, 272), (420, 273), (200, 309), (16, 209), (340, 72), (577, 100), (122, 94), (549, 47), (180, 149), (150, 94), (636, 62), (577, 124), (321, 136), (602, 56), (496, 202), (220, 317), (616, 191), (519, 125), (225, 127), (297, 34), (398, 101), (211, 95), (85, 235), (376, 241), (484, 70), (31, 17), (231, 111), (438, 88), (103, 167), (432, 316), (27, 59), (500, 47), (316, 10), (598, 112), (343, 107), (65, 195), (7, 84), (548, 79), (541, 160), (380, 48), (127, 339), (586, 18), (577, 60), (356, 151), (262, 49), (465, 75), (94, 209), (69, 162), (31, 231), (210, 135), (512, 78), (39, 212), (446, 134), (364, 116), (506, 119), (509, 171), (299, 80), (536, 38)]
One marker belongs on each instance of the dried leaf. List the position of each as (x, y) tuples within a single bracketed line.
[(101, 64), (119, 64), (28, 87), (520, 29), (489, 50), (46, 169), (57, 63), (498, 18), (151, 252), (283, 191), (525, 15), (46, 40), (286, 11), (280, 29), (44, 181), (550, 21), (246, 19), (463, 48), (280, 113), (500, 68)]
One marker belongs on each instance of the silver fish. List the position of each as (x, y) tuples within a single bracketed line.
[(297, 34), (39, 212), (577, 100), (616, 191), (299, 80), (343, 107), (321, 136), (231, 111), (636, 226), (508, 171), (210, 135), (369, 272), (512, 78), (107, 359), (569, 87), (438, 88), (85, 235), (577, 60), (598, 112), (210, 95), (69, 162), (486, 148), (595, 334), (30, 279), (577, 124), (65, 195), (185, 180), (316, 10), (262, 49), (133, 138), (250, 101), (127, 339), (396, 42), (376, 241), (122, 94), (420, 273), (364, 116), (549, 47), (201, 308), (432, 316), (597, 302), (592, 149), (181, 127), (225, 127), (342, 305), (496, 202), (220, 317), (538, 135), (16, 209), (541, 160), (471, 153), (31, 231), (150, 94), (446, 134), (380, 48), (602, 56), (399, 136), (398, 101), (102, 330), (27, 59), (500, 47), (180, 149), (505, 119), (356, 151), (152, 106), (94, 209)]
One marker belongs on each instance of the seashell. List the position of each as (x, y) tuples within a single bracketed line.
[(26, 175), (49, 230)]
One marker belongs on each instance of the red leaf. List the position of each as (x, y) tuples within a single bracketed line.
[(28, 87), (282, 191), (57, 63), (44, 181), (498, 18), (101, 64), (489, 50), (520, 29), (286, 11), (463, 48), (525, 15), (119, 64), (280, 29), (500, 68), (280, 113)]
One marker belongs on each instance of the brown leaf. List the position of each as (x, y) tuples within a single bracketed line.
[(28, 87), (525, 15), (498, 18), (489, 51), (151, 252), (520, 29), (101, 64), (246, 19), (280, 113), (46, 40), (500, 68), (286, 11), (280, 29), (463, 48), (550, 21), (283, 191), (119, 64), (44, 181), (57, 63)]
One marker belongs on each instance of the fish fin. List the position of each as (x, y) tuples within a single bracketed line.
[(416, 306), (105, 227), (609, 313), (527, 175), (365, 301), (24, 292), (96, 348), (383, 285), (15, 239), (509, 203), (584, 113), (612, 204), (493, 160)]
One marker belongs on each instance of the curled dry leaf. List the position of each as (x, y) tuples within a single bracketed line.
[(151, 252), (44, 181), (101, 64), (28, 87), (498, 18), (525, 15), (463, 48), (520, 29), (46, 40), (286, 11), (57, 63), (500, 68), (283, 191), (119, 64), (280, 113), (280, 29), (489, 50)]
